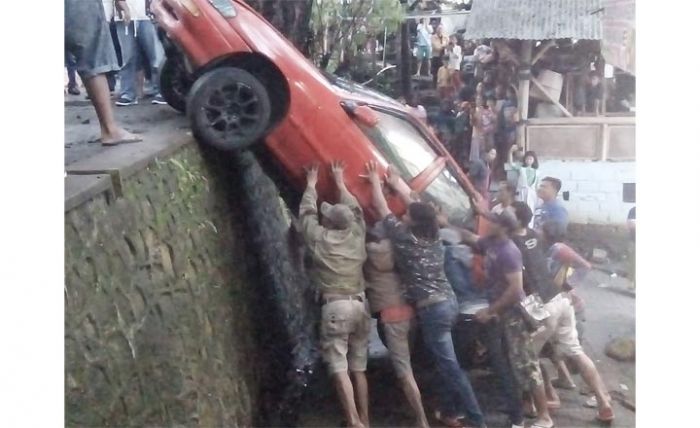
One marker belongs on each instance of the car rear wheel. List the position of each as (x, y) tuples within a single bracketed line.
[(175, 84), (228, 108)]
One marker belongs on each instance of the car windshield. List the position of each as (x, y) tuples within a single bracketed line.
[(401, 144), (446, 192), (350, 86)]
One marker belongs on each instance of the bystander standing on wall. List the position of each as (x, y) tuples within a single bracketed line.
[(140, 48)]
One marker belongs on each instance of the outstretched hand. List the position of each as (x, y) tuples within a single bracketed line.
[(337, 169), (392, 177), (311, 175), (478, 203), (372, 173)]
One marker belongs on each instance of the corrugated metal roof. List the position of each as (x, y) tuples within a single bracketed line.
[(535, 19)]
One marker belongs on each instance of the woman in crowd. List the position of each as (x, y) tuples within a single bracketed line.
[(528, 176), (484, 125), (455, 62)]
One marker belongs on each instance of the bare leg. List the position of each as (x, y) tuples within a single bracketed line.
[(410, 389), (343, 387), (359, 381), (543, 417), (590, 375), (563, 375), (552, 396), (98, 90)]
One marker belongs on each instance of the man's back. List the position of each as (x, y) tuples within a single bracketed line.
[(421, 264), (384, 287), (337, 254), (536, 276)]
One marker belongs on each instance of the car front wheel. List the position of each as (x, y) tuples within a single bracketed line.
[(228, 108), (175, 84)]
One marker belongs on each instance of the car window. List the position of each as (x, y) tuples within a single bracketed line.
[(447, 193), (401, 144)]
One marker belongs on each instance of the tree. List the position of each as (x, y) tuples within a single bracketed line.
[(341, 28), (290, 17)]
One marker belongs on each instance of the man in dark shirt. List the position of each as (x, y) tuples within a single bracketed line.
[(511, 350), (421, 265), (561, 324)]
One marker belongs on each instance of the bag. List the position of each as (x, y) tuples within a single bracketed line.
[(533, 311)]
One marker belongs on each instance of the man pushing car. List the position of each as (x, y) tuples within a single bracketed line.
[(337, 247)]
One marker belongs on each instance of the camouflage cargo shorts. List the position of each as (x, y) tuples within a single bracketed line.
[(521, 351)]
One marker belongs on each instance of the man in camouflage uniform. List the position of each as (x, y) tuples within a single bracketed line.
[(511, 349), (420, 263), (337, 248)]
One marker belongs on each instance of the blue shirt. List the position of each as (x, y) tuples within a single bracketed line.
[(551, 217)]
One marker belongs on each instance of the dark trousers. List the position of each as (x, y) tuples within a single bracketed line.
[(455, 391), (435, 64), (494, 339)]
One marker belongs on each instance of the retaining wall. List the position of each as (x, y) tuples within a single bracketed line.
[(158, 313)]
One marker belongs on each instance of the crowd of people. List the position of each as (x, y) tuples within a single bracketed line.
[(402, 272), (477, 98), (110, 43)]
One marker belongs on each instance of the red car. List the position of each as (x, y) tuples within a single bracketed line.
[(240, 82)]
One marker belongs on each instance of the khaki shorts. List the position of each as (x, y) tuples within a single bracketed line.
[(396, 334), (345, 326), (559, 328)]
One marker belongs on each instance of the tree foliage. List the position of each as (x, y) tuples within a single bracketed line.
[(341, 28)]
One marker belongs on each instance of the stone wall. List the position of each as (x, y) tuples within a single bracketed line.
[(595, 189), (158, 313)]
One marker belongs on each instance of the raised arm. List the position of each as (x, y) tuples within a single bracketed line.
[(394, 181), (308, 212), (378, 200), (468, 237), (347, 198)]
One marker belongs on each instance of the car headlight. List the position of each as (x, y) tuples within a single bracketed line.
[(225, 7)]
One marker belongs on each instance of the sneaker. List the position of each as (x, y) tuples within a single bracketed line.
[(73, 90), (123, 101), (158, 99)]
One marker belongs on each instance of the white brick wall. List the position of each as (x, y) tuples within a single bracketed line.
[(595, 189)]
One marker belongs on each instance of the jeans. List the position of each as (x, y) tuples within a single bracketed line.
[(140, 47), (455, 391), (494, 339), (459, 275)]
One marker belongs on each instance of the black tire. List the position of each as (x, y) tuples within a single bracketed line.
[(175, 84), (228, 108)]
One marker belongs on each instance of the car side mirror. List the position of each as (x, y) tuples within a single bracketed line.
[(362, 113)]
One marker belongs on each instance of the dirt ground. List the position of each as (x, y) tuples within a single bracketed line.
[(610, 312), (82, 128)]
